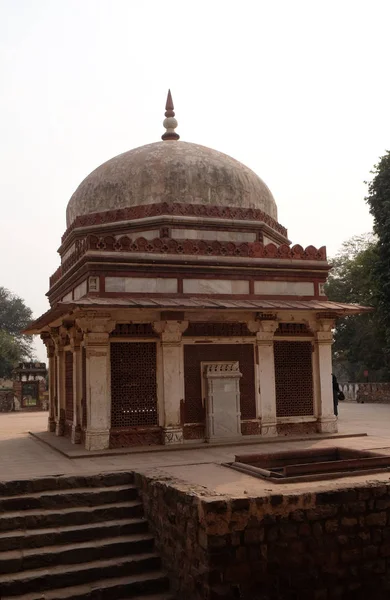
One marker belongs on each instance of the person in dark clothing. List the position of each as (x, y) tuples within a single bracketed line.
[(337, 395)]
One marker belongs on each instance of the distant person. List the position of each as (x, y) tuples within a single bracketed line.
[(337, 395)]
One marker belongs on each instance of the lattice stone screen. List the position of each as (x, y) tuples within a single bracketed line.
[(133, 384), (194, 411), (294, 379), (69, 386)]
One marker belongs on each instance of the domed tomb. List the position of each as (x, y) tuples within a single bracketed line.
[(170, 171)]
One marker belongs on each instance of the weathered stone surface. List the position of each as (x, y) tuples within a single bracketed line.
[(166, 172), (324, 546)]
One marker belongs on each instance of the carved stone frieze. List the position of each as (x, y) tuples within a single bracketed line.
[(175, 208), (172, 435)]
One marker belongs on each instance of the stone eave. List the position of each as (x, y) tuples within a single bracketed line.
[(326, 307)]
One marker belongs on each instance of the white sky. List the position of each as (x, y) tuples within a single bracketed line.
[(297, 90)]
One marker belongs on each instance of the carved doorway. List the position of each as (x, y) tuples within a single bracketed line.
[(221, 397)]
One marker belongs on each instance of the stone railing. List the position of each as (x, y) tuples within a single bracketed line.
[(367, 392)]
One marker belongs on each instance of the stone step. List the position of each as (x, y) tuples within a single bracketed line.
[(69, 498), (51, 556), (79, 515), (162, 596), (37, 538), (149, 586), (63, 482), (87, 575)]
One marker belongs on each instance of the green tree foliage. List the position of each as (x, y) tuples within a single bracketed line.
[(359, 340), (14, 317), (378, 200)]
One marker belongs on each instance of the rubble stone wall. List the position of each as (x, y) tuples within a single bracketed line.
[(311, 546)]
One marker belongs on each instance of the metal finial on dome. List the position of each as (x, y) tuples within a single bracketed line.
[(170, 122)]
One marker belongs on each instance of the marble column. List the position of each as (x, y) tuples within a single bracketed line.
[(76, 337), (50, 349), (172, 365), (97, 331), (326, 419), (266, 395)]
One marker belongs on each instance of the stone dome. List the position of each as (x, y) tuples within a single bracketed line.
[(170, 171)]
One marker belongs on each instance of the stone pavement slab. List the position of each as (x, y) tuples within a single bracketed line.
[(22, 456)]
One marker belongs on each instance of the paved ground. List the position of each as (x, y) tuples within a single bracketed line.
[(22, 456)]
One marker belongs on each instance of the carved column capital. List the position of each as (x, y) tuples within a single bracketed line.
[(170, 332), (94, 322), (264, 330), (60, 338), (323, 330), (49, 343), (76, 337)]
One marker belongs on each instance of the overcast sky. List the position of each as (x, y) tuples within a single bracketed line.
[(297, 90)]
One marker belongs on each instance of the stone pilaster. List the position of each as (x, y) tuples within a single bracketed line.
[(59, 336), (97, 329), (172, 365), (50, 349), (327, 421), (76, 337), (266, 394)]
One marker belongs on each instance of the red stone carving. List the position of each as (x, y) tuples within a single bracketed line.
[(194, 432), (205, 329), (189, 247), (293, 329), (250, 427), (134, 330), (135, 436), (175, 208)]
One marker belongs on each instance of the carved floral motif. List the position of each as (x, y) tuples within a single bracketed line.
[(187, 247), (175, 208)]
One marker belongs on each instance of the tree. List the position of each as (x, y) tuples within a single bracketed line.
[(14, 317), (359, 340), (378, 200)]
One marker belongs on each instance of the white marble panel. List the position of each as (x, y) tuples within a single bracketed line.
[(220, 236), (215, 286), (67, 297), (285, 288), (80, 290), (150, 234), (147, 285), (115, 284)]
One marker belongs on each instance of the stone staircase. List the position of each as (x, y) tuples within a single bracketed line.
[(71, 538)]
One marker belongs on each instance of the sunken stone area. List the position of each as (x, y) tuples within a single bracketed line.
[(307, 543), (310, 465)]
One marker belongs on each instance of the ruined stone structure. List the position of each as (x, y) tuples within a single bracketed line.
[(29, 385), (180, 312)]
